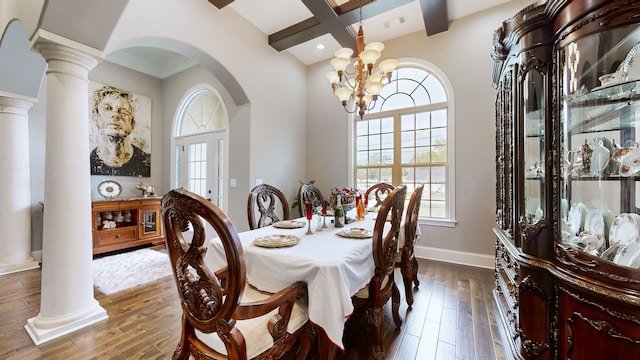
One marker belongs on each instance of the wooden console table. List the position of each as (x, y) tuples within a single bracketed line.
[(124, 223)]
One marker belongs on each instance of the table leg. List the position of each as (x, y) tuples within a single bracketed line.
[(326, 347)]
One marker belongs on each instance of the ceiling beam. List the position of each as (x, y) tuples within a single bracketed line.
[(434, 13), (328, 20), (220, 3)]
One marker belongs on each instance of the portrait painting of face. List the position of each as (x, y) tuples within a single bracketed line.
[(120, 132)]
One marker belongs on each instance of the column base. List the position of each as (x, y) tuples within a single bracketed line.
[(13, 268), (41, 335)]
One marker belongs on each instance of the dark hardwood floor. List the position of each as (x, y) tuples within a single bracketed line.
[(453, 317)]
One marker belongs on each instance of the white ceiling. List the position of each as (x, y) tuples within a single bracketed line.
[(274, 15)]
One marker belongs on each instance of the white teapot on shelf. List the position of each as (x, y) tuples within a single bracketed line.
[(578, 162)]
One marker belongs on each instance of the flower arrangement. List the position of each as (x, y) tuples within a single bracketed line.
[(348, 197)]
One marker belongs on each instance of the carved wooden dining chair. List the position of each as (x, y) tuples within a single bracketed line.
[(265, 206), (222, 316), (405, 259), (308, 192), (382, 285), (378, 192)]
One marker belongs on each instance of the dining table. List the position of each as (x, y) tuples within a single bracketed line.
[(334, 267)]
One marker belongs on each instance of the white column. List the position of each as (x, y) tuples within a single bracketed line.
[(66, 303), (15, 185)]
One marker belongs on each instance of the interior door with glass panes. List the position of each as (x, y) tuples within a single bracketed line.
[(200, 165)]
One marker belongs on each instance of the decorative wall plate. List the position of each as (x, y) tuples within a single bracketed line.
[(109, 189)]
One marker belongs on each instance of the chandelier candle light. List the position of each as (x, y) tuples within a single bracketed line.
[(363, 86)]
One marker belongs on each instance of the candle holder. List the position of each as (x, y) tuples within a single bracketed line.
[(324, 214), (309, 217), (318, 213)]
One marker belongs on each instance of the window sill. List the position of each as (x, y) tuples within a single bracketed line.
[(438, 222)]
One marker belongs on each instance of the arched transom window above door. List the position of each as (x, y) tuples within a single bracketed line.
[(204, 112)]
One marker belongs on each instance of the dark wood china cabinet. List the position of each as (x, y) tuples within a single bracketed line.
[(567, 75)]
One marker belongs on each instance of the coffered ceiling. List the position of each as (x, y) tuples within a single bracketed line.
[(312, 30)]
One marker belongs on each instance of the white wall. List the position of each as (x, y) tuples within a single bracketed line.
[(282, 136), (141, 84), (274, 83), (463, 53)]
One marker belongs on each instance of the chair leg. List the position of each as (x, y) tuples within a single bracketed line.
[(395, 305), (307, 339), (415, 271), (407, 278), (375, 318), (182, 351), (407, 271)]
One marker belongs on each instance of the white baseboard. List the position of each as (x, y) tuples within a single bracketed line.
[(37, 255), (456, 257)]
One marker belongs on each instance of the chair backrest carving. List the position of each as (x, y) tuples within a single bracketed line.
[(263, 205), (378, 192), (208, 302), (308, 192), (411, 217), (385, 240), (217, 322)]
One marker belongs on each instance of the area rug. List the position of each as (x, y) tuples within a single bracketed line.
[(115, 273)]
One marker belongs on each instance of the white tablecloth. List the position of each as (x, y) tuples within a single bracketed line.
[(333, 267)]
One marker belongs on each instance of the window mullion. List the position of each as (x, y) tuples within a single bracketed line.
[(396, 172)]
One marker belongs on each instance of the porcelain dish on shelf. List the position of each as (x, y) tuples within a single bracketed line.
[(624, 229), (289, 224), (630, 67), (355, 233), (629, 161), (601, 156), (577, 215), (276, 241), (628, 254), (594, 223)]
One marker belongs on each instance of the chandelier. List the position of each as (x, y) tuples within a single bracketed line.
[(363, 85)]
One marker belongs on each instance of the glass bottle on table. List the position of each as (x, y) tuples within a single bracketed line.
[(339, 212), (359, 208)]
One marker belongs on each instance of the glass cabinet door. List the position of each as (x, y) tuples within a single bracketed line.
[(599, 106), (149, 223), (533, 145)]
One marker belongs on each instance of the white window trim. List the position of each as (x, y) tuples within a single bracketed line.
[(175, 128), (451, 220)]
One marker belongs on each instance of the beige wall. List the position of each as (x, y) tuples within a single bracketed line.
[(463, 54), (280, 135)]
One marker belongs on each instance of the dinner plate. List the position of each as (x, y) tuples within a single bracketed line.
[(355, 233), (624, 229), (276, 241), (594, 223), (289, 224), (577, 215), (628, 254), (630, 65)]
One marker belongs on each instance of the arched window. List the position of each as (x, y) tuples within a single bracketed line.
[(407, 138), (199, 138), (203, 112)]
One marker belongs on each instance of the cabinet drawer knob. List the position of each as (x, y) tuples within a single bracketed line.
[(117, 236)]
